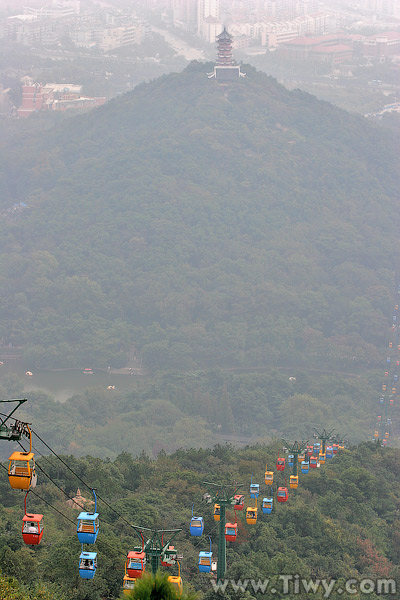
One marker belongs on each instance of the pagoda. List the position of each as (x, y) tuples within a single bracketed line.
[(225, 68)]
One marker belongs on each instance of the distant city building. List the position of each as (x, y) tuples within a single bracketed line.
[(225, 68), (208, 22), (53, 96), (381, 46), (185, 14), (119, 37), (334, 48)]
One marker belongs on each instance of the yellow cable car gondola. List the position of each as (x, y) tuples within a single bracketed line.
[(294, 482), (128, 583), (251, 514), (177, 581), (269, 477), (322, 458), (217, 512), (21, 468)]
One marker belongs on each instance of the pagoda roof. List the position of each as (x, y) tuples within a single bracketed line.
[(224, 36)]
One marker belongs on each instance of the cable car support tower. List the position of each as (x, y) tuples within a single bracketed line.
[(295, 448), (224, 496), (324, 436)]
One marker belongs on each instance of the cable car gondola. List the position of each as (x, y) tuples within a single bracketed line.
[(322, 458), (176, 581), (128, 583), (136, 563), (280, 464), (282, 494), (32, 527), (196, 525), (21, 468), (251, 515), (87, 565), (217, 512), (269, 477), (313, 462), (305, 466), (231, 532), (294, 482), (88, 525), (254, 490), (238, 502), (205, 560), (267, 505), (291, 460)]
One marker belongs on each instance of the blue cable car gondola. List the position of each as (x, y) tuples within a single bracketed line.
[(305, 466), (196, 525), (205, 560), (254, 489), (88, 525), (87, 564), (291, 460), (329, 452), (267, 505)]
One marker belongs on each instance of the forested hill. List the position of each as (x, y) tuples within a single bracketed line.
[(203, 224), (342, 523)]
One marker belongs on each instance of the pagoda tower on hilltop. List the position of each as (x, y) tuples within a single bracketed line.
[(225, 68)]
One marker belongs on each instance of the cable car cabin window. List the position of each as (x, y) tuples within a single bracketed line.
[(31, 527), (20, 468), (230, 531), (88, 563), (204, 561), (87, 526)]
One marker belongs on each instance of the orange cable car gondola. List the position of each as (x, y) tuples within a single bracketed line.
[(21, 468), (217, 512), (176, 581)]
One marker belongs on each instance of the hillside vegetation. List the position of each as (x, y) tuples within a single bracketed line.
[(205, 225), (341, 523)]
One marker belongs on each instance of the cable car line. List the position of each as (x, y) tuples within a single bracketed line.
[(45, 501), (48, 477), (136, 528)]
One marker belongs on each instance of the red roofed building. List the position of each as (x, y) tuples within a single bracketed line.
[(333, 55), (381, 45), (304, 47), (52, 96)]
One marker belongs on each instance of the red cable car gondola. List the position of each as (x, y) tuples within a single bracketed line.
[(231, 532), (280, 464), (238, 501), (135, 564), (282, 494), (32, 527)]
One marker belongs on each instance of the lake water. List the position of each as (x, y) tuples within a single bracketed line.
[(63, 384)]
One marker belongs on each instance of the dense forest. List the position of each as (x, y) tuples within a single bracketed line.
[(342, 522), (205, 225), (197, 409)]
